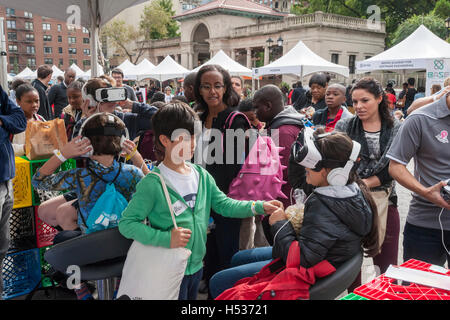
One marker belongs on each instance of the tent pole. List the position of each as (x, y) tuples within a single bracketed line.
[(94, 35), (3, 61)]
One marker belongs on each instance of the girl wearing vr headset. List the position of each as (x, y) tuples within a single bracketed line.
[(340, 215)]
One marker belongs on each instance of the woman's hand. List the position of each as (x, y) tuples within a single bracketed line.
[(76, 147), (276, 216)]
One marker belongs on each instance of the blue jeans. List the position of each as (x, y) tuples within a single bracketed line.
[(425, 244), (245, 263), (189, 286)]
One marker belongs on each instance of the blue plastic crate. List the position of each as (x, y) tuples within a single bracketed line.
[(21, 273)]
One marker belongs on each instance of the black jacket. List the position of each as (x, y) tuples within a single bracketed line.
[(335, 222), (45, 109), (305, 101), (224, 173), (57, 95)]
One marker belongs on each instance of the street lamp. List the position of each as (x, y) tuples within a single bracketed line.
[(269, 41), (280, 41), (447, 24)]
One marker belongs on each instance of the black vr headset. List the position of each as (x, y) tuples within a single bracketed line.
[(305, 152)]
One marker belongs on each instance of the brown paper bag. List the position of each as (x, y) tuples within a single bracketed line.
[(41, 138), (381, 199)]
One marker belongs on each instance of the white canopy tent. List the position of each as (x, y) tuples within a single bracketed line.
[(79, 73), (301, 61), (26, 74), (143, 68), (412, 53), (167, 69), (233, 67), (87, 74), (420, 50), (56, 72), (89, 13), (129, 70)]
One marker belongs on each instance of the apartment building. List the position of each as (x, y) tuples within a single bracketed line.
[(33, 40)]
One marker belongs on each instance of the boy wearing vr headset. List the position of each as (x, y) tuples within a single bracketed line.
[(339, 215), (103, 135), (100, 96)]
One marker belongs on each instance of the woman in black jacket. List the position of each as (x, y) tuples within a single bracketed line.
[(215, 95), (374, 128), (337, 222)]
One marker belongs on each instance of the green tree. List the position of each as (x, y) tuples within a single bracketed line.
[(432, 22), (125, 39), (442, 9), (393, 12), (156, 21)]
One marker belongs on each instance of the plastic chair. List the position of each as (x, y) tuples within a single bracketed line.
[(99, 255), (331, 287)]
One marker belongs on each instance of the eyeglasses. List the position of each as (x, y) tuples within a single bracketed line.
[(207, 87)]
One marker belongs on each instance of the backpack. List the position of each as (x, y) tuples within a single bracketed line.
[(108, 208), (261, 175), (279, 281)]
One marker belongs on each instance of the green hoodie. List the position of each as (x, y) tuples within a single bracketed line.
[(149, 202)]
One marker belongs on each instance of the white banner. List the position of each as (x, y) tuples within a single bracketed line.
[(437, 71)]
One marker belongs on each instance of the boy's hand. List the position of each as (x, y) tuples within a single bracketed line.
[(180, 237), (76, 147), (271, 206), (278, 215)]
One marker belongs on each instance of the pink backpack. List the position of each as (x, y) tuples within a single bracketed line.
[(261, 175)]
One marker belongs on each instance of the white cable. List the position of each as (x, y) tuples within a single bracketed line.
[(442, 232)]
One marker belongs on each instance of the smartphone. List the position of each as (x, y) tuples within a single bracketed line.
[(110, 94)]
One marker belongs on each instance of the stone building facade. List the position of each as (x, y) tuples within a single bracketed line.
[(243, 34)]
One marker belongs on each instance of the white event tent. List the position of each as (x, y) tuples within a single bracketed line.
[(411, 53), (167, 69), (300, 61), (79, 73), (87, 74), (26, 74), (420, 50), (143, 68), (56, 72), (233, 67)]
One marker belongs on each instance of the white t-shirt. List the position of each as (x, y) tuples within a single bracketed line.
[(186, 185)]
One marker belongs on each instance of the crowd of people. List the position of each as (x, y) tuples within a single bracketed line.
[(346, 148)]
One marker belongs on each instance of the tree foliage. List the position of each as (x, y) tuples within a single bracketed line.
[(156, 21), (124, 38), (393, 12), (431, 21)]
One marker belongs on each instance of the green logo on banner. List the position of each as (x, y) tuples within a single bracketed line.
[(439, 64)]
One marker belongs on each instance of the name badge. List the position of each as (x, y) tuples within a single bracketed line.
[(179, 207)]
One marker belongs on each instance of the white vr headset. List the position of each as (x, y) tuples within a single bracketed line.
[(306, 154)]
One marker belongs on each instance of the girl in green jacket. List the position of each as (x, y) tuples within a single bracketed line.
[(193, 192)]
